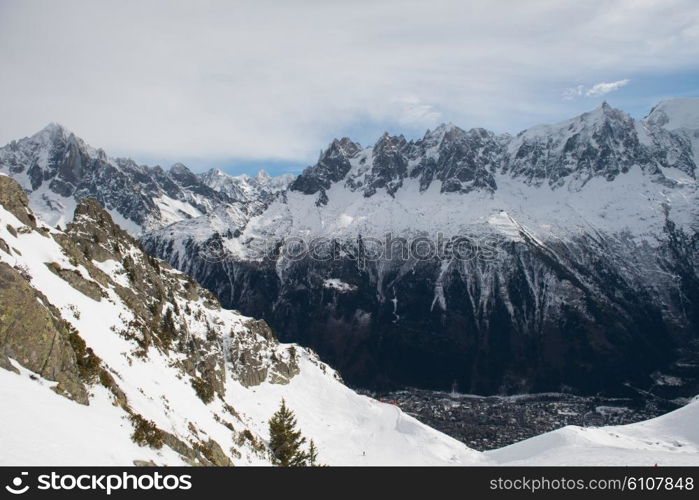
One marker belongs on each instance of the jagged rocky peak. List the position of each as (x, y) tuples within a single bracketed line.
[(680, 145), (605, 110), (57, 169), (389, 143), (52, 153), (590, 121), (389, 165), (464, 161), (246, 189), (332, 166), (179, 169), (181, 173), (604, 142), (48, 136), (342, 147), (445, 131)]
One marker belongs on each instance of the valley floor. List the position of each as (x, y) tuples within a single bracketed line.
[(486, 423)]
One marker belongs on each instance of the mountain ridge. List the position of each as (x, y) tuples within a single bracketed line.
[(57, 168)]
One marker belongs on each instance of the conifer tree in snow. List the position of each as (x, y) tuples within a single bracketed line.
[(168, 326), (286, 441)]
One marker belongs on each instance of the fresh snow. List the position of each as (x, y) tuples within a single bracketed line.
[(41, 428), (671, 439), (172, 210), (339, 285)]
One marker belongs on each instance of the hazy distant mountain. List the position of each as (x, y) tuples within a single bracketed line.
[(57, 169)]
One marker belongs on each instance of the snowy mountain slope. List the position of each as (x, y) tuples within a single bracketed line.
[(58, 169), (125, 339), (585, 268), (43, 428), (671, 439), (681, 116)]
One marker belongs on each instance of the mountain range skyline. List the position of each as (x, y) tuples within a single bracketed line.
[(276, 168)]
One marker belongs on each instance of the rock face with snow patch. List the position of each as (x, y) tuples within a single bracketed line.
[(32, 333)]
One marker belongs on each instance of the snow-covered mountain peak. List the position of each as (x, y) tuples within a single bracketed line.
[(441, 129), (57, 169), (604, 112), (342, 147), (434, 137), (388, 142), (676, 113), (591, 121), (262, 176), (183, 175), (53, 131), (180, 169)]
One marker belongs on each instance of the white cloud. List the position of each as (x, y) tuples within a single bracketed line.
[(606, 87), (596, 90), (277, 80)]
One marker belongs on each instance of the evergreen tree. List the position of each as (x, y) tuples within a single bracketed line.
[(312, 455), (168, 326), (284, 440)]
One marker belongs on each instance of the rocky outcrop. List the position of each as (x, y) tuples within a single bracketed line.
[(32, 333), (75, 279), (254, 361), (15, 201), (332, 167)]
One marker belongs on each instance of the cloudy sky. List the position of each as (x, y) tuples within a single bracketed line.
[(245, 85)]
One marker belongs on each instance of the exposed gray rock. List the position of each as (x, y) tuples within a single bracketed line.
[(32, 333)]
